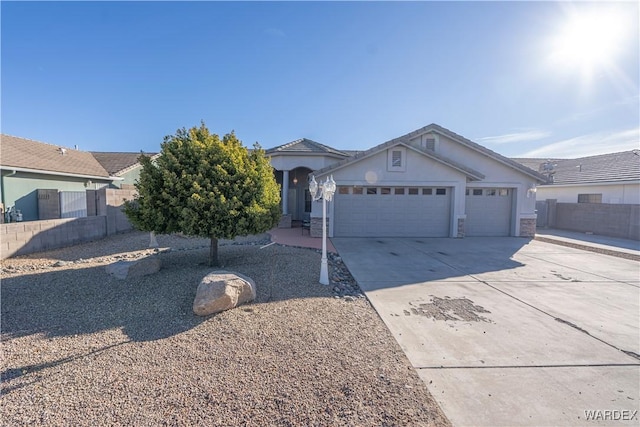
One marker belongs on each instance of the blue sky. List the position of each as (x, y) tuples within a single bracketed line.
[(517, 77)]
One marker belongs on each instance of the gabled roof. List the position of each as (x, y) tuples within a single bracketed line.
[(612, 167), (305, 146), (33, 156), (479, 148), (119, 163), (534, 163), (404, 140)]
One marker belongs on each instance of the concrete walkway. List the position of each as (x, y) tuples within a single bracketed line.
[(296, 237), (614, 246), (510, 331)]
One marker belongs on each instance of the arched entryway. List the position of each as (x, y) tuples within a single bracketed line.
[(298, 203)]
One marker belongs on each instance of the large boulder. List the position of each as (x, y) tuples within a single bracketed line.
[(222, 290), (137, 268)]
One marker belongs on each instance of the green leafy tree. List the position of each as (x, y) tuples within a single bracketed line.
[(203, 186)]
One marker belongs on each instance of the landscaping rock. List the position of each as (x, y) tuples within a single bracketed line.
[(137, 268), (222, 290)]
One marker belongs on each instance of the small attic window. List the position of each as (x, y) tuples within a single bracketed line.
[(396, 161), (429, 142)]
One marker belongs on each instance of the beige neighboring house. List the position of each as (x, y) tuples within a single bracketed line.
[(612, 178), (430, 182)]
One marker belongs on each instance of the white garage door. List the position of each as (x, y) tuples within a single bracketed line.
[(392, 212), (488, 211)]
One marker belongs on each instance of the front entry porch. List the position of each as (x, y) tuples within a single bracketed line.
[(295, 197)]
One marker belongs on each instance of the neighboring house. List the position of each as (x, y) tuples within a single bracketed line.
[(122, 165), (608, 178), (427, 183), (61, 175), (595, 194)]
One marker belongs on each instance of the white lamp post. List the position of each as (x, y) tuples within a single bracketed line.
[(325, 191)]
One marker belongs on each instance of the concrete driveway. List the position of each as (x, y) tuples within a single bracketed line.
[(508, 331)]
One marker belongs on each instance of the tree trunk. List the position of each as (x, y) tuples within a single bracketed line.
[(213, 252)]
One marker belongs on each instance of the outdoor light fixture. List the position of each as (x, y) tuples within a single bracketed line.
[(325, 192), (531, 191)]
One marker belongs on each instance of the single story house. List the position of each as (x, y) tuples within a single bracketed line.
[(37, 178), (595, 194), (430, 182), (612, 178), (122, 165)]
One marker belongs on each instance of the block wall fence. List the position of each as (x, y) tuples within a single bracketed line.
[(105, 219), (615, 220)]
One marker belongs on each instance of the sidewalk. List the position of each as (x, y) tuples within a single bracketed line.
[(296, 237), (615, 246)]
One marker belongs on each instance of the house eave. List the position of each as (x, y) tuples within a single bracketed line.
[(484, 151), (73, 175), (590, 183), (307, 154)]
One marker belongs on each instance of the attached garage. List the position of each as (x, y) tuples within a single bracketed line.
[(392, 211), (488, 211)]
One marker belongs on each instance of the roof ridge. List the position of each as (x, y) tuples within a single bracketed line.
[(39, 142), (317, 145), (487, 151)]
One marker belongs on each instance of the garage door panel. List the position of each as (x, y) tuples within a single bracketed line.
[(488, 212), (392, 215)]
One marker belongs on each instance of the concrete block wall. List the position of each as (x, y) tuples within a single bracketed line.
[(21, 238), (613, 220), (117, 221)]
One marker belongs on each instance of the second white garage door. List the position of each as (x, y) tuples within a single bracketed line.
[(392, 212), (488, 211)]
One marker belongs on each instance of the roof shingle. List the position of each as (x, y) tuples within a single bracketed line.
[(29, 154), (621, 166), (303, 146), (118, 163)]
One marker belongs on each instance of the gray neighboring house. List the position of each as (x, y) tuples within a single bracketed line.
[(612, 178), (595, 194), (430, 182)]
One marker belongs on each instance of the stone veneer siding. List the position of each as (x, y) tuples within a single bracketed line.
[(460, 227), (316, 227), (527, 227)]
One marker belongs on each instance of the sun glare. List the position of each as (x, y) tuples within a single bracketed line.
[(588, 41)]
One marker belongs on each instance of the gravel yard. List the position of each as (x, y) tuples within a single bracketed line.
[(80, 347)]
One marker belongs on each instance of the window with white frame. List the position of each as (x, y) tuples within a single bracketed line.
[(396, 161)]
